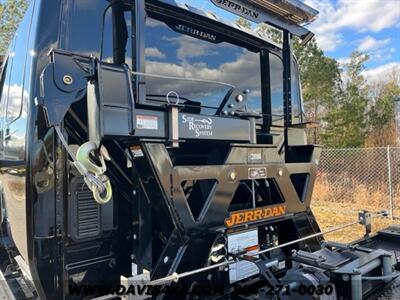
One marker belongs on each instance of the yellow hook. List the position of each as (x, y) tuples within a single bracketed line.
[(103, 198), (83, 155)]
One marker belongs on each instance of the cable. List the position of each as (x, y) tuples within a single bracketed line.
[(390, 276), (64, 142), (81, 169), (175, 277)]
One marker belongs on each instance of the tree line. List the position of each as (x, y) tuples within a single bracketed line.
[(11, 13), (350, 111)]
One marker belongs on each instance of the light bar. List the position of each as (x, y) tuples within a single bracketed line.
[(289, 15), (293, 10)]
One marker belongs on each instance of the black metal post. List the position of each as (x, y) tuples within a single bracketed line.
[(139, 50), (266, 104), (120, 33), (287, 92)]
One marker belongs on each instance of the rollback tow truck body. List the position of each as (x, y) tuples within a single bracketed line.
[(148, 143)]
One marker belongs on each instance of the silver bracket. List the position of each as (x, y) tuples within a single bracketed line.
[(365, 219), (141, 280), (173, 119)]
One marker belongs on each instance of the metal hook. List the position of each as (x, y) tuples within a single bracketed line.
[(174, 93), (98, 183)]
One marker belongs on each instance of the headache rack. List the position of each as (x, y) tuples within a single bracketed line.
[(287, 15), (292, 10)]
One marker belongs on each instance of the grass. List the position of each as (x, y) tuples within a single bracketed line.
[(334, 205)]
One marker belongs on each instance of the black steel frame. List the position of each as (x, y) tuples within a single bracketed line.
[(190, 239)]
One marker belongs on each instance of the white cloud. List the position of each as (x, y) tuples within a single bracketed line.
[(376, 49), (15, 109), (369, 43), (343, 61), (382, 54), (383, 73), (360, 15), (239, 72), (329, 41), (153, 23), (154, 53), (192, 48)]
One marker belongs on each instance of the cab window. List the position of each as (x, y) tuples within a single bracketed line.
[(16, 83), (85, 30), (5, 75), (175, 48), (5, 83), (276, 73)]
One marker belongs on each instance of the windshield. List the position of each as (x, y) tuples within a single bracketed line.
[(177, 50)]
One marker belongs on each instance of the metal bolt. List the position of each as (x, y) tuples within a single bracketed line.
[(166, 259), (68, 80), (280, 172), (134, 192), (239, 98), (232, 175), (357, 271)]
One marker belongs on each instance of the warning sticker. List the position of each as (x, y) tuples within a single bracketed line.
[(136, 151), (146, 122), (237, 243)]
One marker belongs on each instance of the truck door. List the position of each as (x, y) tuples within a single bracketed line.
[(3, 99), (13, 118)]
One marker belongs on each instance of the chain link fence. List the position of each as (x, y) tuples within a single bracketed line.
[(359, 178)]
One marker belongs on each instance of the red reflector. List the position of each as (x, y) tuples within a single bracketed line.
[(252, 248)]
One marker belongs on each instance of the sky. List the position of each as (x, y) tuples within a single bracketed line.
[(369, 26), (343, 26)]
